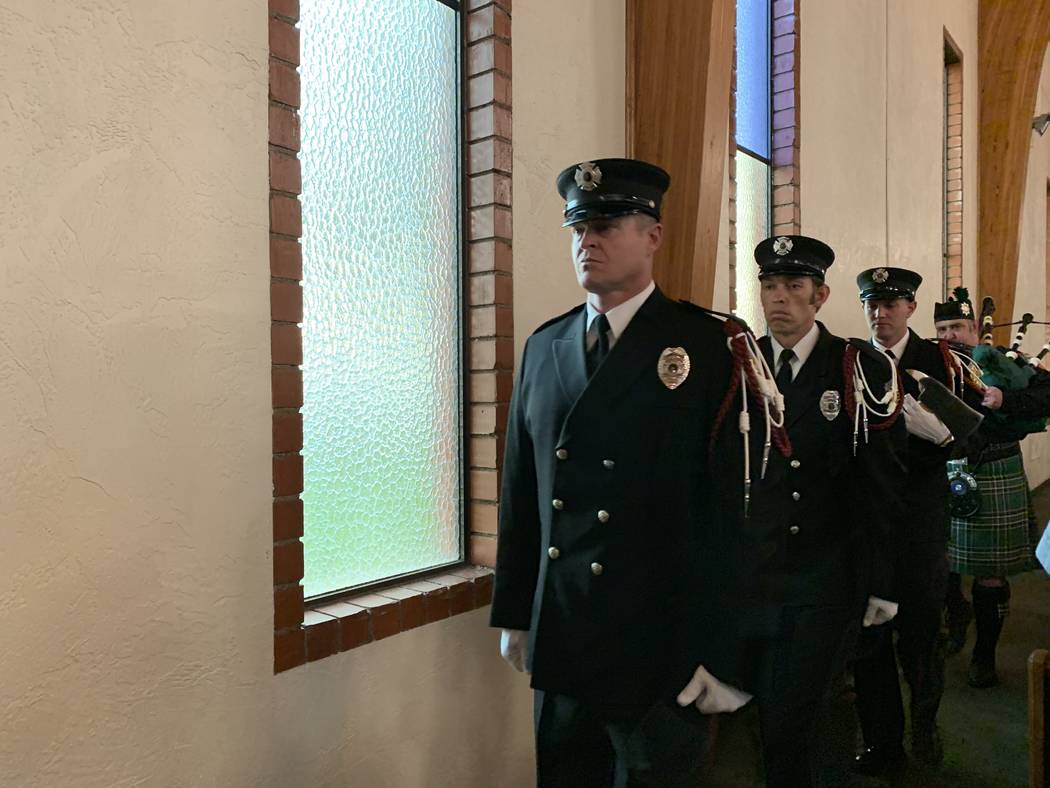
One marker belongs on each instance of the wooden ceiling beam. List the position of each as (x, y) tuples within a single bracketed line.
[(1012, 37), (679, 64)]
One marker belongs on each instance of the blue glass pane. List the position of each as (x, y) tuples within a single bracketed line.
[(381, 217), (752, 75)]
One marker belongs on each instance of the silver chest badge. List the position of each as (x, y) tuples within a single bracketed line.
[(673, 367), (830, 404)]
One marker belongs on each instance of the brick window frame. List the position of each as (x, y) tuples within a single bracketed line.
[(786, 203), (952, 245), (304, 632)]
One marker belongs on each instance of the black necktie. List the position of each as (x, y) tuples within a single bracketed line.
[(784, 374), (596, 355)]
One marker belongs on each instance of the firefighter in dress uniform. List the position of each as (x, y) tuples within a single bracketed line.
[(816, 551), (888, 298), (609, 585)]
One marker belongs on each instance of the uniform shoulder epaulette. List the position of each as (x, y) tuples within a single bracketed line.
[(713, 313), (562, 316), (866, 349)]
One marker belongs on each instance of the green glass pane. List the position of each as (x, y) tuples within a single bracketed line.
[(752, 226), (380, 165)]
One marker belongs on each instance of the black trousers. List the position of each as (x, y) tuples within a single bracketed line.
[(923, 584), (589, 745), (794, 665)]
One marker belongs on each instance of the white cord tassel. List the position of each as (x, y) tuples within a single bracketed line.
[(866, 401), (772, 407)]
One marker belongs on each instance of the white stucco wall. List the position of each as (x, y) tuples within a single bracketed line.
[(136, 571), (569, 95)]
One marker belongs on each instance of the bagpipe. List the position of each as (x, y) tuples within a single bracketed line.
[(1008, 369)]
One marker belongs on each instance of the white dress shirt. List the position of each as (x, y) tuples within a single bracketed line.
[(802, 349), (619, 317), (897, 350)]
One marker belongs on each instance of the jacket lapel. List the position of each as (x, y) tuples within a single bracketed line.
[(766, 346), (803, 395), (569, 360), (910, 359), (635, 351)]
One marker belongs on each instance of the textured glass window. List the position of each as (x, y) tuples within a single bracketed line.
[(752, 226), (753, 76), (381, 282)]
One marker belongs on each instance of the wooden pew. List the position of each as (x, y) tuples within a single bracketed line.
[(1038, 733)]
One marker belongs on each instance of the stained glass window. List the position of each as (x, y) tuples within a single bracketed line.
[(381, 282)]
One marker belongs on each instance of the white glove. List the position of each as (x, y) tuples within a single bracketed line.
[(513, 643), (879, 611), (921, 423), (710, 695)]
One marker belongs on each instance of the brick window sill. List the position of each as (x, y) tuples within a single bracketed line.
[(334, 627)]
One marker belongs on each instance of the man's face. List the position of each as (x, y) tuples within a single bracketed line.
[(616, 254), (962, 331), (790, 303), (888, 319)]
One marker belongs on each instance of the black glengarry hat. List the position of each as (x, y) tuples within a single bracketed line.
[(611, 187), (793, 255), (957, 307), (886, 284)]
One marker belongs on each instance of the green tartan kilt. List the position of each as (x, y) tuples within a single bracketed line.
[(994, 542)]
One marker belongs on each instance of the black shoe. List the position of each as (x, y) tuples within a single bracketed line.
[(879, 759), (982, 675)]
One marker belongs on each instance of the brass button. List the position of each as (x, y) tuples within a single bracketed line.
[(609, 464), (561, 454), (558, 504), (603, 516), (553, 552), (797, 496), (792, 530), (597, 569), (796, 464)]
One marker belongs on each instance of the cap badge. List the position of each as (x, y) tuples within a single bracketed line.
[(830, 404), (588, 176), (673, 367), (964, 308), (782, 245), (880, 276)]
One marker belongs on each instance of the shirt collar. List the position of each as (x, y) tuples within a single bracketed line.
[(802, 348), (898, 349), (620, 316)]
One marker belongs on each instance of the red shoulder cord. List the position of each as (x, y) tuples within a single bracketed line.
[(849, 364), (742, 361)]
